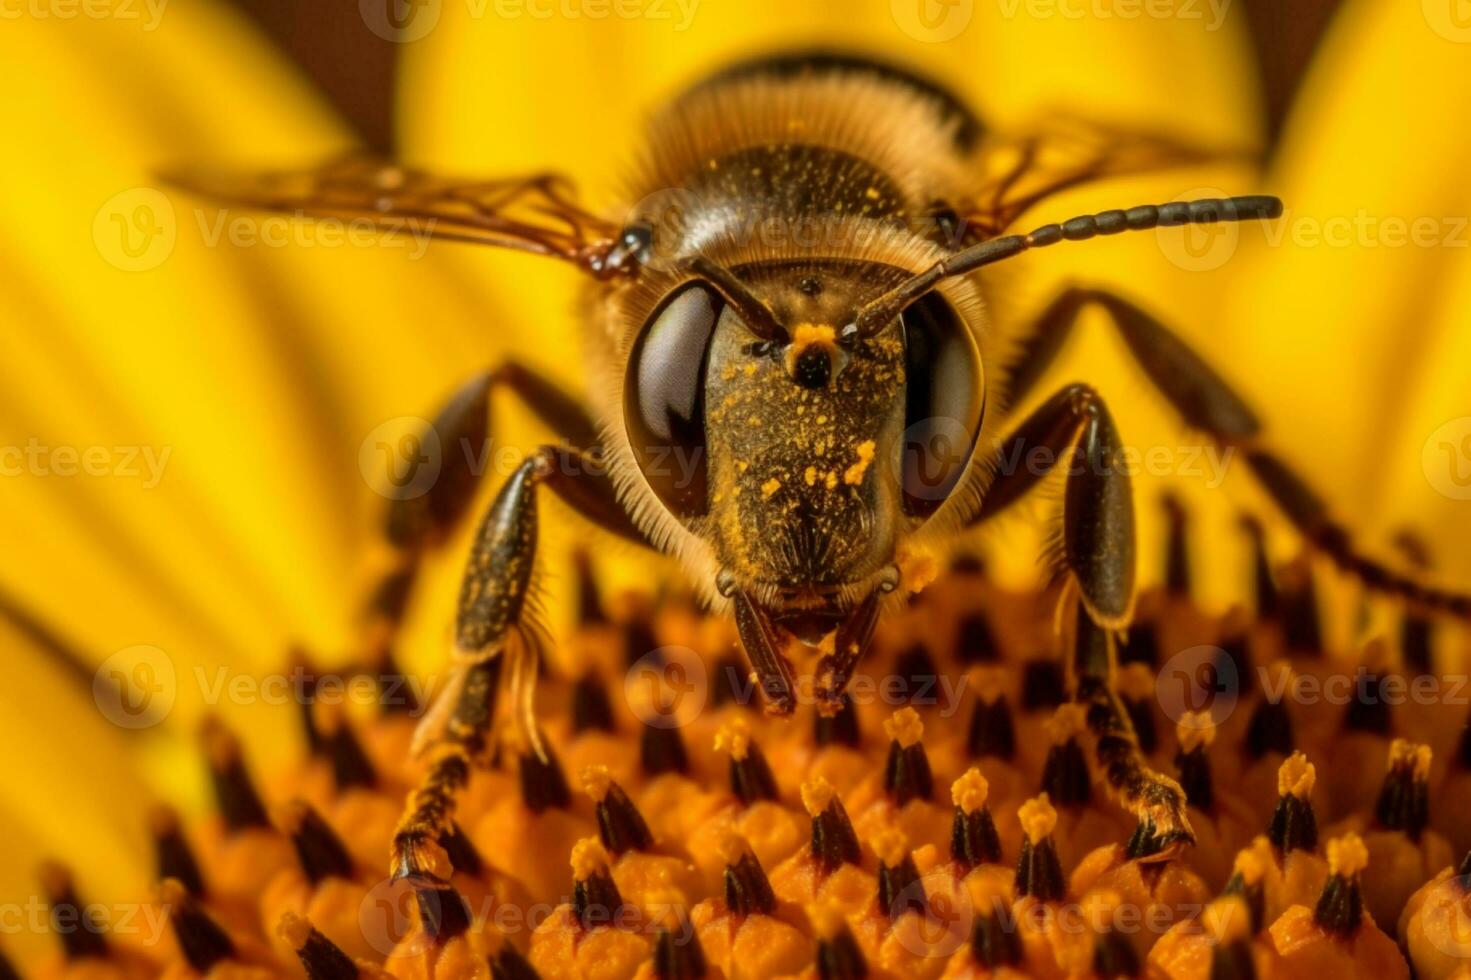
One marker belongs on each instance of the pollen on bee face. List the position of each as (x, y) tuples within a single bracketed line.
[(828, 842)]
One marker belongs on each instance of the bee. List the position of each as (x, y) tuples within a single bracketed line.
[(795, 382)]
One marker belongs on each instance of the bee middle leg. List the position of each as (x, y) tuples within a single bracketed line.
[(496, 645), (1074, 430)]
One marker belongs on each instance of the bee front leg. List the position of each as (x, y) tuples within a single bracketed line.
[(1098, 552), (496, 645)]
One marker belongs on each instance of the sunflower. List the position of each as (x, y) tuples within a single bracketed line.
[(196, 402)]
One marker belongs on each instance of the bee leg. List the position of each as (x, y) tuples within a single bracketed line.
[(1207, 402), (849, 645), (1098, 554), (418, 519), (495, 644), (773, 670)]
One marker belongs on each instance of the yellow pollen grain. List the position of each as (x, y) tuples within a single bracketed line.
[(596, 781), (588, 858), (805, 335), (822, 420), (904, 727), (918, 568), (749, 369), (1347, 856), (810, 476), (1295, 777), (770, 487), (734, 737), (1037, 818), (1404, 753), (891, 846), (853, 475), (830, 480), (1195, 731), (969, 791), (817, 795)]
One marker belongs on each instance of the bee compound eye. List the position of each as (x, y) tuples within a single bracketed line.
[(664, 397), (944, 402)]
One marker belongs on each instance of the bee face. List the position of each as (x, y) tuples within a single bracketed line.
[(812, 445)]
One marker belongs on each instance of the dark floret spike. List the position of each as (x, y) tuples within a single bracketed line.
[(1141, 644), (1039, 870), (1264, 584), (543, 783), (591, 710), (443, 912), (620, 826), (975, 643), (678, 955), (76, 925), (319, 851), (900, 890), (1235, 662), (751, 778), (639, 640), (596, 900), (920, 675), (306, 705), (840, 728), (1269, 729), (747, 889), (235, 794), (973, 837), (834, 842), (1195, 733), (1300, 617), (661, 748), (320, 957), (1248, 882), (1463, 871), (992, 731), (1404, 799), (1415, 644), (994, 942), (396, 693), (508, 964), (1232, 961), (1177, 549), (1114, 956), (589, 598), (729, 683), (1065, 776), (907, 773), (172, 855), (202, 940), (1294, 825), (463, 855), (839, 956), (1369, 711), (1340, 908), (351, 766), (1043, 685), (7, 969)]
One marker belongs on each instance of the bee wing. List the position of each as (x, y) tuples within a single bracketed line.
[(536, 213), (1021, 171)]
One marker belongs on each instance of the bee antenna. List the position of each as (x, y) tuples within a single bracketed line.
[(756, 314), (1210, 210)]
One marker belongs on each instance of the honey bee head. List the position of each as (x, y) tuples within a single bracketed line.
[(797, 446)]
